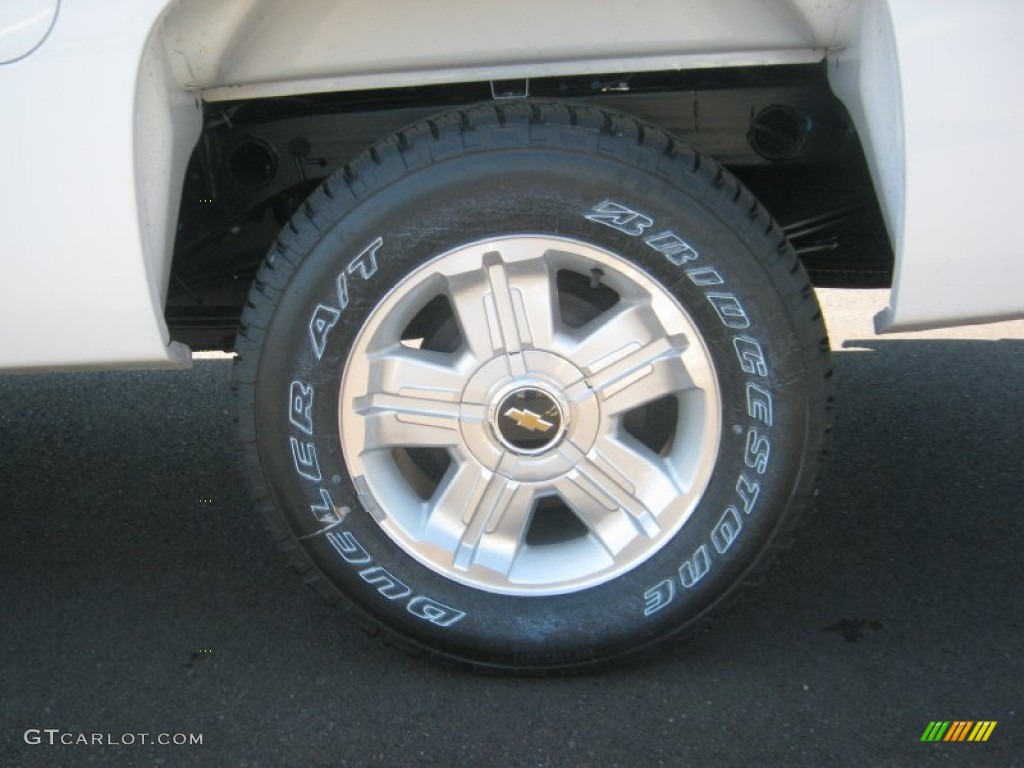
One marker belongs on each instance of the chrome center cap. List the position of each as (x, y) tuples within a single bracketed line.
[(529, 421)]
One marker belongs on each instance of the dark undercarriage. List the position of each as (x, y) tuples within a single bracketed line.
[(779, 129)]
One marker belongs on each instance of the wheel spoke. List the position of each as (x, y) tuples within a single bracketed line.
[(612, 526), (652, 374), (599, 490), (453, 503), (625, 328), (497, 525), (415, 400), (416, 373), (641, 375), (648, 473), (505, 308), (699, 373), (394, 421)]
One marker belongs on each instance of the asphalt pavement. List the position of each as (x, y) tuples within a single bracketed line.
[(141, 596)]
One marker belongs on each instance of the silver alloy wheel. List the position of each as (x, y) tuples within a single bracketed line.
[(521, 434)]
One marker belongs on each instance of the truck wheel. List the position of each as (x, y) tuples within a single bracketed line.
[(531, 386)]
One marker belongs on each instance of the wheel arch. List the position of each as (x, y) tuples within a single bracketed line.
[(931, 90), (102, 135), (259, 48)]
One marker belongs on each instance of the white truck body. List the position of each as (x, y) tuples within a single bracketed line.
[(88, 229)]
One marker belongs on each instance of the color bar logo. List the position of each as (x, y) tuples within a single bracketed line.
[(958, 730)]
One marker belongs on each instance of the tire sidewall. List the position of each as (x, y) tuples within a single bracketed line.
[(726, 285)]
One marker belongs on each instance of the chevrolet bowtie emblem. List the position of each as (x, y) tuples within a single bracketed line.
[(528, 420)]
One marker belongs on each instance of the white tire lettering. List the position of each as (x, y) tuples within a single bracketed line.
[(672, 247), (759, 404), (748, 491), (729, 310), (365, 264), (341, 286), (726, 531), (696, 568), (325, 511), (324, 318), (351, 551), (390, 586), (752, 361), (386, 584), (657, 597), (633, 223), (757, 452), (704, 277), (619, 217), (436, 613), (306, 464), (300, 406), (750, 355)]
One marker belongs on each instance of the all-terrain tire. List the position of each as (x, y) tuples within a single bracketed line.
[(532, 386)]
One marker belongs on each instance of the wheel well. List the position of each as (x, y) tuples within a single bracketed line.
[(779, 129)]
